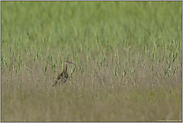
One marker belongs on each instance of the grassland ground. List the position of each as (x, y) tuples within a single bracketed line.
[(128, 57), (95, 95)]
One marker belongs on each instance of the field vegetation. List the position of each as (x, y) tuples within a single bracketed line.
[(128, 57)]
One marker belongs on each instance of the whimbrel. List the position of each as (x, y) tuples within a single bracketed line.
[(62, 78)]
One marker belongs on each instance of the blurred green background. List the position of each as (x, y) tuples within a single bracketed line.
[(48, 28)]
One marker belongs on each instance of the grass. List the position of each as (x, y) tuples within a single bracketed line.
[(128, 57)]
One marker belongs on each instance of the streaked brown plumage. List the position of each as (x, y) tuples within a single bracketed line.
[(62, 78)]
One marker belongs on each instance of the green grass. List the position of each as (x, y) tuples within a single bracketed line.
[(128, 57)]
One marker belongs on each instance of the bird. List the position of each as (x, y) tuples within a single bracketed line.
[(63, 77)]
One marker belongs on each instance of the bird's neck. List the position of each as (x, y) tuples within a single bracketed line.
[(65, 67)]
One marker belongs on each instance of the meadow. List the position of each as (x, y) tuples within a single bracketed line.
[(128, 57)]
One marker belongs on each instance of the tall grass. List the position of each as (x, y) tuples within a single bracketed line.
[(128, 56)]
